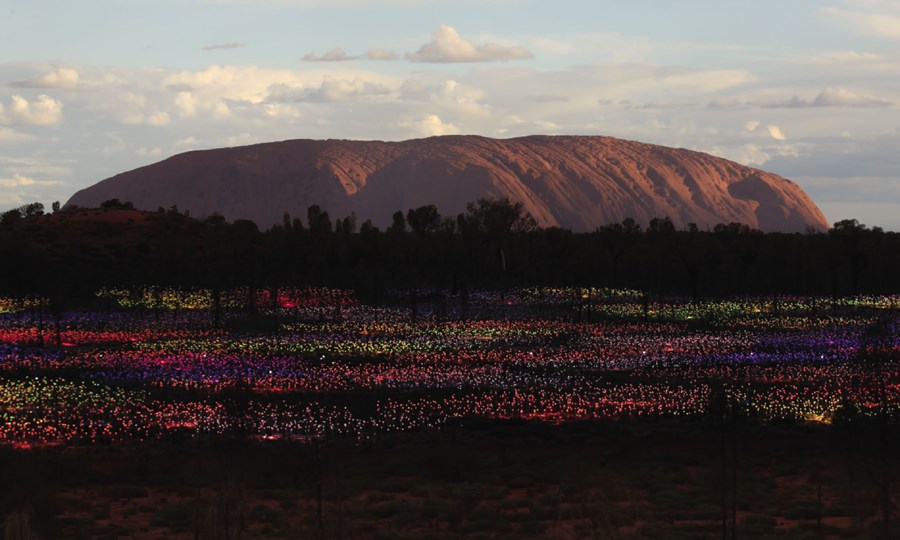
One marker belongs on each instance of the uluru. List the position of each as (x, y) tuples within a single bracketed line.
[(574, 182)]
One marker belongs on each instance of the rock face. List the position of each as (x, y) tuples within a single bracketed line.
[(573, 182)]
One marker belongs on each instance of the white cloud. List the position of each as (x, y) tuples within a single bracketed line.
[(431, 126), (333, 89), (380, 54), (61, 78), (751, 125), (187, 143), (285, 111), (334, 55), (180, 87), (186, 103), (116, 145), (44, 111), (10, 136), (776, 132), (11, 199), (865, 21), (158, 119), (19, 188), (839, 97), (330, 89), (230, 82), (551, 98), (600, 46), (242, 139), (151, 152), (134, 119), (547, 127), (17, 181), (221, 110), (708, 80), (829, 97), (447, 46)]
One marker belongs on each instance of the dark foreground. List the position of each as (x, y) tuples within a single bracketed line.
[(484, 479)]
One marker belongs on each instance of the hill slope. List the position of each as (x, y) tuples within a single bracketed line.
[(573, 182)]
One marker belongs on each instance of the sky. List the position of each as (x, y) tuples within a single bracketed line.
[(808, 89)]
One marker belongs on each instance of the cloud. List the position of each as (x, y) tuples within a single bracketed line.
[(190, 105), (600, 46), (830, 97), (545, 126), (150, 152), (331, 89), (45, 111), (248, 83), (865, 21), (17, 188), (281, 111), (380, 54), (447, 46), (662, 104), (838, 97), (708, 80), (20, 180), (776, 132), (158, 119), (10, 136), (180, 87), (61, 78), (223, 46), (186, 103), (450, 96), (187, 143), (751, 125), (17, 181), (39, 169), (842, 157), (548, 98), (334, 55), (432, 126)]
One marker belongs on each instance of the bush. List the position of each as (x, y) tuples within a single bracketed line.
[(387, 509), (520, 482), (123, 492), (802, 511), (760, 521), (173, 516)]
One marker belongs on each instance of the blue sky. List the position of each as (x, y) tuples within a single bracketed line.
[(806, 89)]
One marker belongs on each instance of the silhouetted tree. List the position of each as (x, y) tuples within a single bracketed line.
[(424, 220), (318, 221), (618, 239), (850, 236), (117, 204)]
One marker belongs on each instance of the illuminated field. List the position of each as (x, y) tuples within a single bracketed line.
[(152, 363)]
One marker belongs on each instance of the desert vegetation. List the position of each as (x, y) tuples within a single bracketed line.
[(495, 244)]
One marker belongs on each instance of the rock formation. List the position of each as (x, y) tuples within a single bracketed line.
[(575, 182)]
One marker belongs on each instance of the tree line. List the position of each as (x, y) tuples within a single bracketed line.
[(493, 244)]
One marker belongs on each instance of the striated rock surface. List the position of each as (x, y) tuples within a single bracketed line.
[(575, 182)]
